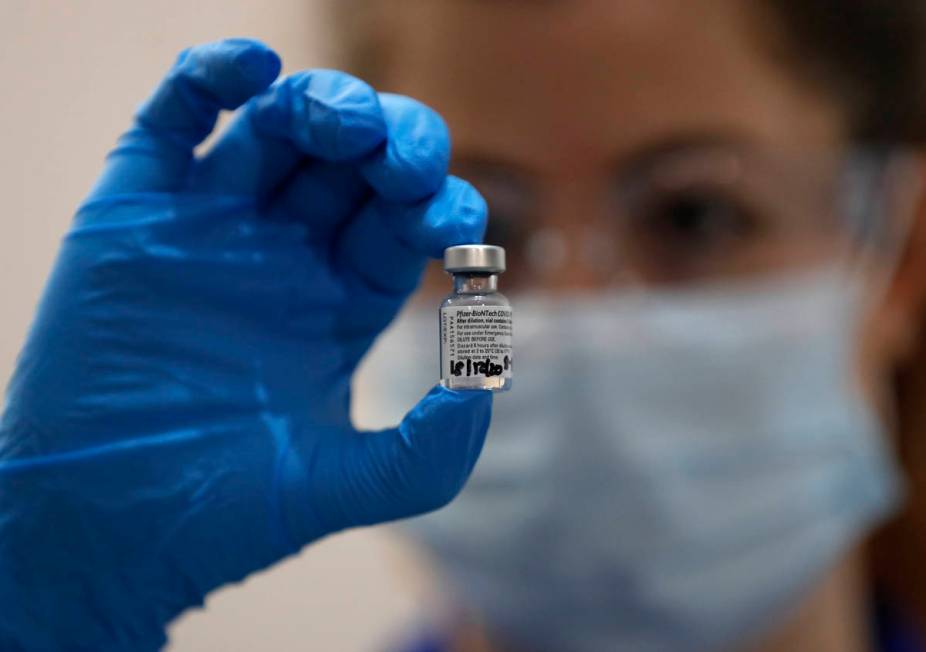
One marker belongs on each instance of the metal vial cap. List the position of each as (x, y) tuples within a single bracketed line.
[(477, 258)]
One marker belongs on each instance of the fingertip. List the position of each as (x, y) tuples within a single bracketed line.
[(440, 400), (467, 219), (256, 61), (457, 215), (443, 436), (414, 163), (326, 113), (401, 237), (234, 70), (351, 122)]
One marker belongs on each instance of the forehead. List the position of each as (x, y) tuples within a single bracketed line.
[(572, 79)]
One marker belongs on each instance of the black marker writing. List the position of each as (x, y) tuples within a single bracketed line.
[(485, 367)]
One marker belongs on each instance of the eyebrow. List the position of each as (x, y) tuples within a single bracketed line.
[(646, 157), (637, 162)]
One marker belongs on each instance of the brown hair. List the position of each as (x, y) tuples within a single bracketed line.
[(869, 55)]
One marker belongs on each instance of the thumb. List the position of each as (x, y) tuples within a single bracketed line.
[(373, 477)]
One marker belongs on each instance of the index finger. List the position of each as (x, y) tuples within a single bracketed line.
[(409, 167), (155, 154), (414, 162), (319, 115)]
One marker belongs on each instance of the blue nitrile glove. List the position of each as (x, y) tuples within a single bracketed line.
[(179, 416)]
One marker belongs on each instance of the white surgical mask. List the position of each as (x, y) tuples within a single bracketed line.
[(669, 473)]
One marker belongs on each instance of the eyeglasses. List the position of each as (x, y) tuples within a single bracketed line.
[(702, 215)]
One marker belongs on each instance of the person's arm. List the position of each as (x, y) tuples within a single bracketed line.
[(179, 415)]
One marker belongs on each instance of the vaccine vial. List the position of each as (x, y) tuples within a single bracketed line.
[(475, 321)]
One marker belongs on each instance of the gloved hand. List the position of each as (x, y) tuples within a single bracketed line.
[(179, 416)]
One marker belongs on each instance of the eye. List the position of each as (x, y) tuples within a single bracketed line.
[(510, 210), (693, 218), (688, 234)]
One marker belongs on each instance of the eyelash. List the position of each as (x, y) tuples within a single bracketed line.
[(692, 200)]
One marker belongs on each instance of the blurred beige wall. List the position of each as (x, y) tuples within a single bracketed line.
[(72, 74)]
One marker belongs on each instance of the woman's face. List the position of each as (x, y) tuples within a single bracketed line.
[(664, 143), (606, 135)]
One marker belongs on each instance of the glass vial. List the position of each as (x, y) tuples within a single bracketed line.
[(475, 321)]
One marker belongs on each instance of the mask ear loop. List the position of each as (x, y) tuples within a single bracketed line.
[(888, 188)]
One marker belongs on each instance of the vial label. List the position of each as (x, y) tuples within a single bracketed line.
[(475, 346)]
